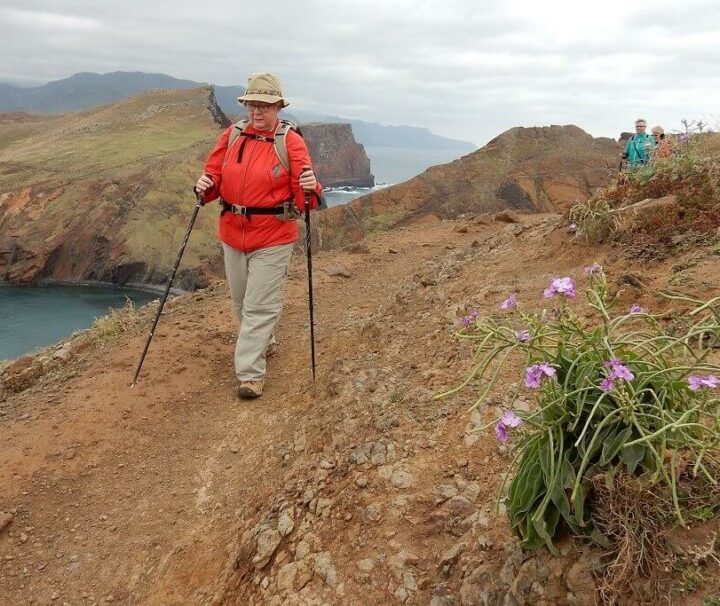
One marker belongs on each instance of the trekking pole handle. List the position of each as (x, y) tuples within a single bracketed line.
[(304, 170)]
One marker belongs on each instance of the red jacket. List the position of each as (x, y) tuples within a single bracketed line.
[(259, 179)]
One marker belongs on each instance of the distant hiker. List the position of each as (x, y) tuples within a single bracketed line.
[(663, 149), (257, 172), (639, 147)]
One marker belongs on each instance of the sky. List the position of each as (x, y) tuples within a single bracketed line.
[(466, 69)]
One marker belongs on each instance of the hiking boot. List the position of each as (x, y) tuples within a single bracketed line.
[(250, 389)]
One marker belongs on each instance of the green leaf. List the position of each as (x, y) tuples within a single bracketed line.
[(599, 441), (579, 504), (545, 527), (567, 472), (632, 455), (612, 447), (529, 538), (546, 457), (525, 487)]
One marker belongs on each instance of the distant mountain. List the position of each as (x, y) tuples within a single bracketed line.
[(86, 90), (83, 91)]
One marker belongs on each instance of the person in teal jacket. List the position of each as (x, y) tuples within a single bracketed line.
[(639, 147)]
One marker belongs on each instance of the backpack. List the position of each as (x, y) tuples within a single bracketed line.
[(278, 141)]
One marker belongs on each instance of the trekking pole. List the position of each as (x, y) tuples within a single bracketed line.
[(198, 206), (308, 246)]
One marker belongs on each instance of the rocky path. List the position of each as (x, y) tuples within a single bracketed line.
[(359, 489)]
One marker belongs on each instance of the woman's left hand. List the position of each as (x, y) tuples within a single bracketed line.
[(307, 179)]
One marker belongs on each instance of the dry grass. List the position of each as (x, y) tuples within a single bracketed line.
[(638, 520), (635, 518), (117, 322)]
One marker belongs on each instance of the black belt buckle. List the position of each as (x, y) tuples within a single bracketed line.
[(239, 210)]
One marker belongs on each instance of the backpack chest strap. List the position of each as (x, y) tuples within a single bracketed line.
[(257, 137)]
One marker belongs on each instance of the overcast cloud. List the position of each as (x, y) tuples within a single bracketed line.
[(465, 69)]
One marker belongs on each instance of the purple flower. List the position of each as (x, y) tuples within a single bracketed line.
[(522, 335), (501, 432), (561, 286), (593, 270), (510, 302), (470, 318), (636, 309), (607, 384), (535, 373), (572, 228), (684, 137), (703, 382), (508, 420), (618, 370)]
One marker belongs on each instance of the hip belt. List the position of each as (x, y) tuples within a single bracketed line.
[(282, 208), (283, 211)]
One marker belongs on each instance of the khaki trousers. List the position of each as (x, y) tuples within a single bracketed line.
[(257, 282)]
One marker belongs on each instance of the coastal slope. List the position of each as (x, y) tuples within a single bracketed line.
[(105, 194), (538, 169)]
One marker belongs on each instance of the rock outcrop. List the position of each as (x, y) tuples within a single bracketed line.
[(524, 169), (339, 160)]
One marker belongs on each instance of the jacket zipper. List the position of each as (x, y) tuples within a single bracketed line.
[(244, 219)]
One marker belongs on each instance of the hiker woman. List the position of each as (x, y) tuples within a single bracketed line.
[(261, 171), (663, 148)]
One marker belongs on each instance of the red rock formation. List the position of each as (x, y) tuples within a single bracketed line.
[(339, 160)]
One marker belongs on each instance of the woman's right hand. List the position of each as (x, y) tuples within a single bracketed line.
[(203, 184)]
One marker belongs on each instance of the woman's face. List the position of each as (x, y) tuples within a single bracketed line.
[(262, 116)]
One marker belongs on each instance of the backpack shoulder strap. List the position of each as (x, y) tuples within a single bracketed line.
[(239, 127), (280, 142)]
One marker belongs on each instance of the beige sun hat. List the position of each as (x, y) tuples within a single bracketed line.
[(265, 88)]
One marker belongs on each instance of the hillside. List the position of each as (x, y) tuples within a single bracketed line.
[(105, 194), (523, 169), (86, 90), (359, 489)]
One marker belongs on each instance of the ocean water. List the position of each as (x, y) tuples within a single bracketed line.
[(33, 317), (391, 165), (337, 196)]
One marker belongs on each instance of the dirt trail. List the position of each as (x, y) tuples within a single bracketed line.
[(166, 494)]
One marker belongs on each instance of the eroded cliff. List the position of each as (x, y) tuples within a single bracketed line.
[(339, 160)]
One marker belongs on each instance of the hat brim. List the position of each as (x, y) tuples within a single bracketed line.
[(263, 99)]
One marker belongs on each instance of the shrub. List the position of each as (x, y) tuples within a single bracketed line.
[(116, 322), (615, 393)]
